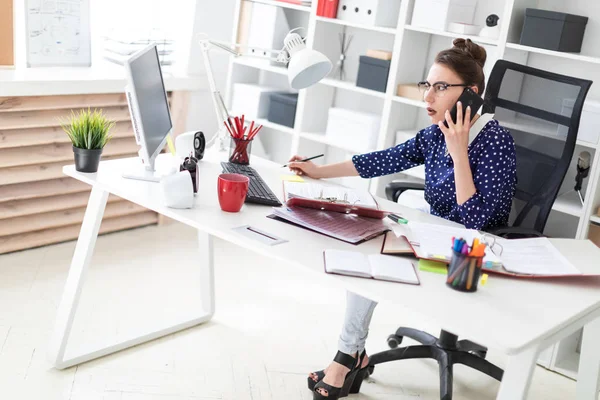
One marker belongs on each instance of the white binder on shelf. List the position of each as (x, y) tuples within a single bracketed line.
[(268, 27)]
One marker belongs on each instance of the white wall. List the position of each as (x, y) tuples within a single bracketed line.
[(214, 18)]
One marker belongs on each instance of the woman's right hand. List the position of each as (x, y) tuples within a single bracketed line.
[(307, 168)]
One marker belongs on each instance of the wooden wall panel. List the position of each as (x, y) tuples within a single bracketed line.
[(38, 103), (55, 219), (52, 134), (55, 152), (70, 232), (19, 208), (33, 173), (45, 118), (38, 204)]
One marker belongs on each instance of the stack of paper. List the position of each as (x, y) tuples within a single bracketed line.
[(327, 191), (118, 46), (535, 256)]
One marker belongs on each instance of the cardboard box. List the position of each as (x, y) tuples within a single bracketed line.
[(410, 91), (594, 234), (436, 14), (380, 54), (589, 125), (251, 100), (350, 126)]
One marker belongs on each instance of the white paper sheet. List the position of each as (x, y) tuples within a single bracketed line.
[(392, 268), (535, 257)]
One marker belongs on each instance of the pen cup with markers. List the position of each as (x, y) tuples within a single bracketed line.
[(464, 271)]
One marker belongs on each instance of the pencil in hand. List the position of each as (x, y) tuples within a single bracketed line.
[(306, 159)]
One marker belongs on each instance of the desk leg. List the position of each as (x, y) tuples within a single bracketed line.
[(82, 257), (517, 376), (588, 376), (76, 278), (207, 274)]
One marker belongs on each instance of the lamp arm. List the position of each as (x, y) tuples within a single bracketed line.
[(218, 102), (280, 56)]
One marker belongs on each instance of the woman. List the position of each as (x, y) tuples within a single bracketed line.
[(472, 184)]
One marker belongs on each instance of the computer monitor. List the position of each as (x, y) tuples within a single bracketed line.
[(149, 110)]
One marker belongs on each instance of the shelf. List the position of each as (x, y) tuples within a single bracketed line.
[(568, 366), (266, 124), (568, 204), (352, 87), (595, 219), (271, 125), (547, 129), (474, 38), (283, 4), (570, 56), (260, 64), (391, 31), (411, 102), (321, 138)]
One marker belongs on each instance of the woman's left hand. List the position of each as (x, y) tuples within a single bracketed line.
[(457, 134)]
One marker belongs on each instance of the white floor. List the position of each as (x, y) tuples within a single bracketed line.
[(272, 326)]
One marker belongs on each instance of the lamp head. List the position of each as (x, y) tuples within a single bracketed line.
[(306, 66)]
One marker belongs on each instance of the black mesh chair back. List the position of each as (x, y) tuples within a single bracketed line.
[(542, 111)]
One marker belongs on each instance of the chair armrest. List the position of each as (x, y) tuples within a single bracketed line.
[(394, 189), (515, 232)]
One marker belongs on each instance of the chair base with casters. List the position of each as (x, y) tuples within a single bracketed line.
[(447, 350)]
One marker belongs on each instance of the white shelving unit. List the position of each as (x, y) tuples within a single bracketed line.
[(413, 51)]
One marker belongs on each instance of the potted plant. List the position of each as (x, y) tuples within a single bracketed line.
[(89, 132)]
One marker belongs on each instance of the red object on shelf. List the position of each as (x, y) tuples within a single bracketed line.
[(329, 8), (321, 8)]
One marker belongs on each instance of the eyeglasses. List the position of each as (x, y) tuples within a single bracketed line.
[(439, 88)]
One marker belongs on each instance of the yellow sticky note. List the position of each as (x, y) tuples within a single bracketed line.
[(170, 145), (484, 279), (292, 178)]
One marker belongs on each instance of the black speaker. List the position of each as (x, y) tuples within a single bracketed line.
[(199, 145)]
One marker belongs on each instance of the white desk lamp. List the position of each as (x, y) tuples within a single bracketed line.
[(306, 67)]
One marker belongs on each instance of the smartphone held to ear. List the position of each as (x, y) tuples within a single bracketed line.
[(468, 98)]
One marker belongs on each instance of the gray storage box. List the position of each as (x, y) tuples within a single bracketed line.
[(553, 30), (373, 73), (282, 108)]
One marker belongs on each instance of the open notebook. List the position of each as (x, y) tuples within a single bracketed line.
[(535, 257), (375, 266)]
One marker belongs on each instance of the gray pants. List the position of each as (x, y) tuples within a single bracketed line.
[(359, 311)]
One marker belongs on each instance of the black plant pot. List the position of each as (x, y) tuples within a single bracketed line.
[(87, 160)]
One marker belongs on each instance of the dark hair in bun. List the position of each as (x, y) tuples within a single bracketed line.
[(467, 60)]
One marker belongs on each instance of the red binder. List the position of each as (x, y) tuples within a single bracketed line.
[(330, 8), (368, 212), (321, 8)]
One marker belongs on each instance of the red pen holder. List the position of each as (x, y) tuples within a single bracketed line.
[(239, 151)]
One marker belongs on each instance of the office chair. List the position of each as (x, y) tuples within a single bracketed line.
[(535, 106)]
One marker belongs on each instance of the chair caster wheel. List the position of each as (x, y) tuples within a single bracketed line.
[(394, 341)]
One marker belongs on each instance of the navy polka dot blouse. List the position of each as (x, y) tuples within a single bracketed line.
[(493, 163)]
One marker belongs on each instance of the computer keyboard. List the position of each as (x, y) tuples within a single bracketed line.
[(258, 191)]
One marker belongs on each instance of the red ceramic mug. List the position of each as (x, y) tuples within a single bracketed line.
[(232, 190)]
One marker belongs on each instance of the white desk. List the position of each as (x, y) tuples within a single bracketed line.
[(518, 317)]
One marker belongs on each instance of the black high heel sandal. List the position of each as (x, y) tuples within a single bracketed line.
[(321, 374), (361, 375), (335, 393)]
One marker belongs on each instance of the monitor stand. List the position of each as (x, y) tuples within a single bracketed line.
[(141, 172)]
